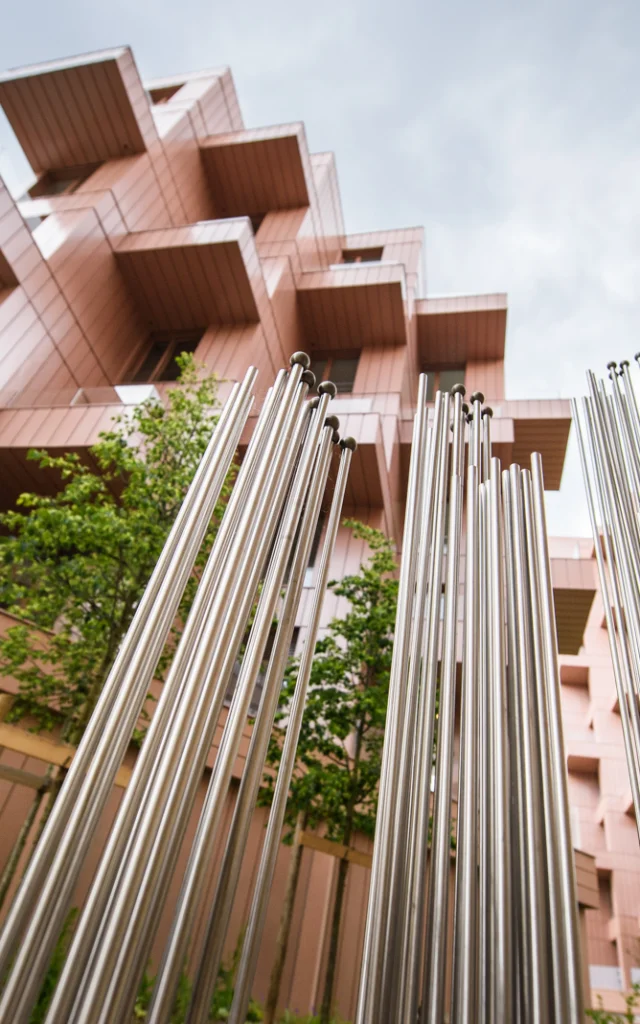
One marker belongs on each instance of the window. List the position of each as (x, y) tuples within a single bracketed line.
[(256, 220), (62, 182), (340, 369), (443, 380), (160, 361), (362, 255)]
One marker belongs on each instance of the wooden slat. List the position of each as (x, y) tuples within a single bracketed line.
[(314, 842), (51, 752), (18, 777)]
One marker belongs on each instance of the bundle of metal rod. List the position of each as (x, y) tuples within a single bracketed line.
[(267, 528), (500, 942), (608, 428)]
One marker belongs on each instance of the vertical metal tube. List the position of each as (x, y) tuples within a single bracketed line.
[(438, 895), (377, 918), (255, 926), (177, 944), (563, 832), (612, 606), (220, 911), (500, 995), (119, 841), (91, 774), (132, 902), (539, 993), (463, 1002)]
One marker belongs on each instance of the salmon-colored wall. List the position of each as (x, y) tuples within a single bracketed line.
[(69, 319)]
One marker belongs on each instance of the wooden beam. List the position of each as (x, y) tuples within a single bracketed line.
[(49, 751), (17, 777), (314, 842)]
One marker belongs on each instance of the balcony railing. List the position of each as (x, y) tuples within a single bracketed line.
[(120, 394)]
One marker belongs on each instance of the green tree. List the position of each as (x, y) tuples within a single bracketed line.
[(335, 782), (76, 563), (628, 1016)]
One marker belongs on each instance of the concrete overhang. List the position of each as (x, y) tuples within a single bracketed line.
[(193, 276), (453, 331), (257, 171), (62, 421), (354, 305), (80, 111), (574, 588)]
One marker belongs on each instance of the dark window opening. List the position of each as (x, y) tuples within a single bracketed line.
[(340, 369), (256, 220), (163, 93), (160, 361), (443, 380), (373, 255), (63, 182)]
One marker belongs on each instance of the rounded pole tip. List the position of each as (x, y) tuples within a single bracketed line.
[(309, 378), (349, 442), (335, 437), (327, 388), (637, 356), (333, 422), (465, 408), (458, 389), (314, 403), (301, 359), (488, 411), (612, 365), (624, 364), (477, 396)]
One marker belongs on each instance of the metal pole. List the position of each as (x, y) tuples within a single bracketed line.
[(438, 894), (255, 926), (74, 817), (220, 911), (177, 945)]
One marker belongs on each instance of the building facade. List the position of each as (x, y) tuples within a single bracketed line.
[(158, 223)]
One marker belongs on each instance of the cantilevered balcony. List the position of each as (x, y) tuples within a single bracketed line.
[(67, 420), (194, 276), (353, 305), (257, 171), (461, 329), (78, 112)]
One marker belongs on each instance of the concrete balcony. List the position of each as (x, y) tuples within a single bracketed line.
[(353, 305), (78, 112), (517, 430), (193, 276), (258, 171), (61, 421), (453, 331)]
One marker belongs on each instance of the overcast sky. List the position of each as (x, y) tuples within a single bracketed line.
[(510, 131)]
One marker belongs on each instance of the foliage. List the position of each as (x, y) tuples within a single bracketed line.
[(340, 747), (39, 1012), (632, 1005), (77, 562), (225, 985), (222, 997), (293, 1018)]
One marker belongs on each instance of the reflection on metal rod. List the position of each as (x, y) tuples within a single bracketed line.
[(269, 522), (509, 843), (608, 428), (472, 909)]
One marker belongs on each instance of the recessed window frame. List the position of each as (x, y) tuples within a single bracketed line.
[(328, 360), (367, 254), (63, 181), (434, 378), (172, 343)]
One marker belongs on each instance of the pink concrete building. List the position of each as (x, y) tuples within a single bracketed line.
[(158, 223)]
